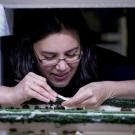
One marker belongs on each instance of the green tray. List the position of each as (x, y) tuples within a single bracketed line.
[(65, 116)]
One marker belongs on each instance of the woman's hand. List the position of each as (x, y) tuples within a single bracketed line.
[(32, 86), (90, 96)]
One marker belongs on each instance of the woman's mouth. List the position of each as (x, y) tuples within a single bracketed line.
[(60, 77)]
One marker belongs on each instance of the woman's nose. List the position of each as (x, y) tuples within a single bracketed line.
[(62, 65)]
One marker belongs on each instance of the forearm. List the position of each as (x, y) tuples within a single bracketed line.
[(7, 96), (122, 89)]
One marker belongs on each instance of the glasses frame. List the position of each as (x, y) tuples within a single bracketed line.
[(59, 59)]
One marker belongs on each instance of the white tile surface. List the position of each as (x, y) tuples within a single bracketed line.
[(66, 3)]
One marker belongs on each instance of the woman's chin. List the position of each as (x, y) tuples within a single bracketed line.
[(60, 84)]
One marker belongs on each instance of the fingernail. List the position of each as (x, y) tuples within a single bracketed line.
[(55, 94), (54, 99), (47, 100)]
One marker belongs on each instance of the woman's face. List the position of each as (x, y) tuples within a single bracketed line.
[(58, 57)]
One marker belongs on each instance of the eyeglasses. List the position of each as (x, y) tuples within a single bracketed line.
[(54, 61)]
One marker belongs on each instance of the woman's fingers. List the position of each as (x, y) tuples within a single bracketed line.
[(38, 77), (35, 94), (41, 81), (90, 103), (34, 86), (90, 96), (79, 97)]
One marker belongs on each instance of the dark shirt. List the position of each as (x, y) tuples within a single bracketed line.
[(113, 66)]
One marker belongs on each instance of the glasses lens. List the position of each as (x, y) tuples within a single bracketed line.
[(49, 62), (73, 59), (56, 61)]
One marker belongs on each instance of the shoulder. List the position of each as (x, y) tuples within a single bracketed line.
[(114, 66), (106, 56)]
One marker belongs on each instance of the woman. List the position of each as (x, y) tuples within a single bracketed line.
[(56, 57)]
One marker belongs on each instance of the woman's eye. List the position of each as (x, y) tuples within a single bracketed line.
[(70, 55), (49, 57)]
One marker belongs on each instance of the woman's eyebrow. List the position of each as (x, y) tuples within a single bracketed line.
[(72, 49), (49, 52)]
